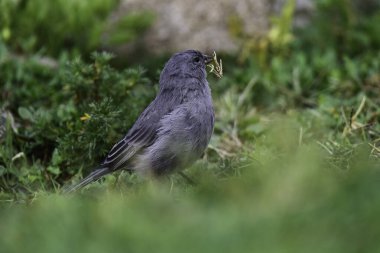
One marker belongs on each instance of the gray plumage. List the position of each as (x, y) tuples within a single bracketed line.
[(174, 130)]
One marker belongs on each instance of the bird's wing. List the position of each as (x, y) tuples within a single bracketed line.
[(122, 151), (139, 136), (142, 134)]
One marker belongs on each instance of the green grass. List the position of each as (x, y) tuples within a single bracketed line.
[(284, 194), (279, 202)]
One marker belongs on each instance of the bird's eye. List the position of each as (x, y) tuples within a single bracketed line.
[(196, 59)]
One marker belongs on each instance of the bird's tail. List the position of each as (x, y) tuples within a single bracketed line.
[(93, 176)]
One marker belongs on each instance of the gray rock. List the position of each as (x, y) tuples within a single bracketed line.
[(202, 25)]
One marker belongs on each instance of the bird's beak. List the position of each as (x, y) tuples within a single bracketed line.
[(208, 59)]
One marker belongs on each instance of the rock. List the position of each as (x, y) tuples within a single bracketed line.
[(204, 25)]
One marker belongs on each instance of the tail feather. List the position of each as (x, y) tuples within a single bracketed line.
[(95, 175)]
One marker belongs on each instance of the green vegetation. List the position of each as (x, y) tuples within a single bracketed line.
[(293, 165)]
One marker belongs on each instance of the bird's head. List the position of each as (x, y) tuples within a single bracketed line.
[(186, 64)]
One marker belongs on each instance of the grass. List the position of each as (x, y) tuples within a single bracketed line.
[(292, 201), (285, 193)]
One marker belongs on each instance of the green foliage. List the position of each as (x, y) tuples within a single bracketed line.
[(49, 105), (280, 33), (351, 30), (276, 40), (279, 203), (55, 26), (338, 58), (333, 92)]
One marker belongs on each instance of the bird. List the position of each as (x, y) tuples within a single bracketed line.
[(174, 129)]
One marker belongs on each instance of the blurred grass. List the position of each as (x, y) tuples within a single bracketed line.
[(285, 197), (289, 202)]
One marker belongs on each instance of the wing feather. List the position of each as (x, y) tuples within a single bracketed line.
[(128, 146), (143, 133)]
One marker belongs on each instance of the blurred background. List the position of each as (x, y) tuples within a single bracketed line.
[(293, 165)]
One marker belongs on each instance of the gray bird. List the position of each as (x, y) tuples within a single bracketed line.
[(174, 130)]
